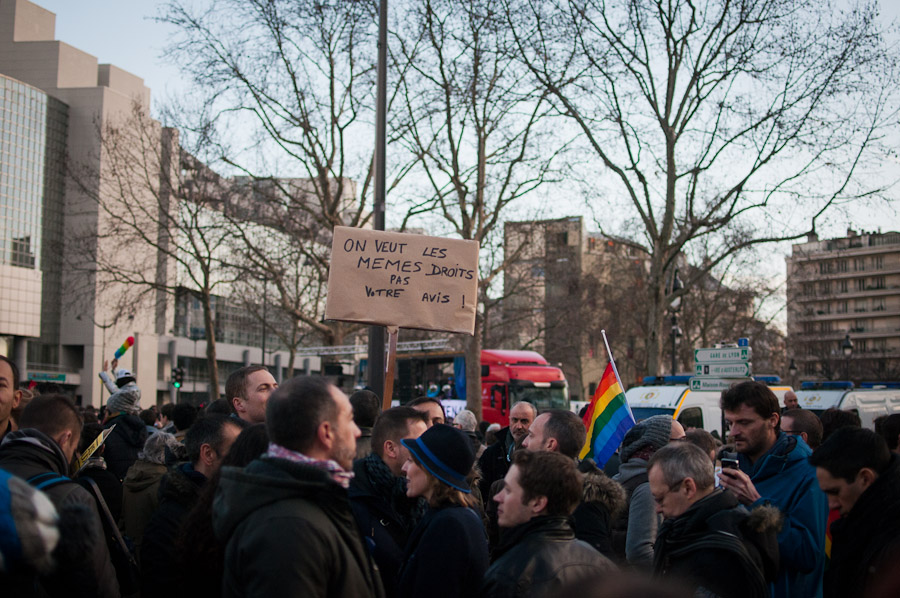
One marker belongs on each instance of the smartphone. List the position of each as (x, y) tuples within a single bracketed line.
[(729, 461)]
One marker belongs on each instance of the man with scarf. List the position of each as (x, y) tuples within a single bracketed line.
[(285, 519), (386, 516)]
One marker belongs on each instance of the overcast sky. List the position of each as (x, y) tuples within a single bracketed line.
[(122, 32)]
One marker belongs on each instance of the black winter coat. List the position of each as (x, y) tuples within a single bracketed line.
[(602, 499), (494, 463), (160, 569), (446, 556), (865, 544), (84, 567), (385, 529), (124, 443), (289, 532), (539, 559), (719, 546)]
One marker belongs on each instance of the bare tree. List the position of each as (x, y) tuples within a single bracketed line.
[(288, 94), (475, 130), (720, 125), (161, 228)]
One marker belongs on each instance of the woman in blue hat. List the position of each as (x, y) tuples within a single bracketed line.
[(447, 553)]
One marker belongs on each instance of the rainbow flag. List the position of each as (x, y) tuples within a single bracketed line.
[(606, 419)]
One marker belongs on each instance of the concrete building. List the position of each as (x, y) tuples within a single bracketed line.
[(843, 288), (563, 285), (54, 101)]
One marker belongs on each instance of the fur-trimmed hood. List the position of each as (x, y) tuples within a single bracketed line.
[(599, 488)]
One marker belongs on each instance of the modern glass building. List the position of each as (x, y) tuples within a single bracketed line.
[(32, 158)]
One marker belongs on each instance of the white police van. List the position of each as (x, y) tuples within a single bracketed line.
[(870, 401), (693, 409)]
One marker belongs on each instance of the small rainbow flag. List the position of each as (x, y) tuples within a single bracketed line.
[(607, 419)]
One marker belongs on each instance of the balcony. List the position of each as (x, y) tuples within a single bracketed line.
[(812, 276), (850, 294), (847, 315)]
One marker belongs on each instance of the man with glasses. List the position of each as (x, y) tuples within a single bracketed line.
[(773, 468), (709, 540), (803, 423)]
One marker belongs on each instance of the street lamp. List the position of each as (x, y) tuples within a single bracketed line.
[(792, 372), (847, 349), (675, 307)]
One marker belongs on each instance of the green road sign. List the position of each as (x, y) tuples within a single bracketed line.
[(722, 370), (726, 355)]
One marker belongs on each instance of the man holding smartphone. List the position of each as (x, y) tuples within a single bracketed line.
[(773, 468)]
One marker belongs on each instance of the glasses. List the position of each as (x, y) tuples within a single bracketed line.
[(659, 499)]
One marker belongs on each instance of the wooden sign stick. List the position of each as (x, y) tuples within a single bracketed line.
[(389, 367)]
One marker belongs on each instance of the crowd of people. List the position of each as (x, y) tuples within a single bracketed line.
[(300, 490)]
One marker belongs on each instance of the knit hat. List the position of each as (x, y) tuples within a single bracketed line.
[(466, 421), (125, 400), (446, 453), (123, 377), (653, 433)]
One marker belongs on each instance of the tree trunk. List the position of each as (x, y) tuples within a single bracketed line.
[(212, 365), (473, 368)]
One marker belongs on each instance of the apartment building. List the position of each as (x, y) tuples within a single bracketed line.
[(844, 307)]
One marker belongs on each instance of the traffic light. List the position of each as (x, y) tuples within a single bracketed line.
[(177, 377)]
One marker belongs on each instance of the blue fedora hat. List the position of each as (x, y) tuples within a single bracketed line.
[(446, 453)]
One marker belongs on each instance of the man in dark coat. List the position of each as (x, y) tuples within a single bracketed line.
[(207, 442), (285, 519), (40, 452), (708, 539), (861, 478), (494, 461), (386, 516), (538, 554)]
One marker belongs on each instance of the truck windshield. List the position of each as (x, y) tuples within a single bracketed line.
[(542, 398)]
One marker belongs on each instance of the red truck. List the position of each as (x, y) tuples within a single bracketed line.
[(508, 377)]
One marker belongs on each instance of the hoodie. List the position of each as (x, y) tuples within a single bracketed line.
[(291, 518), (785, 478), (124, 443), (29, 452)]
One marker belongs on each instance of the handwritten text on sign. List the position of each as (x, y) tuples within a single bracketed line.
[(397, 279)]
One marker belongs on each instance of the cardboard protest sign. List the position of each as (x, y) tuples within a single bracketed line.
[(397, 279)]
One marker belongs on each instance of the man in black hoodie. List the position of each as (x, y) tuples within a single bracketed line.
[(708, 539), (40, 452), (861, 478)]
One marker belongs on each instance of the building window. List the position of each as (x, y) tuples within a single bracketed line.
[(842, 286), (878, 304), (842, 266), (842, 307), (809, 327), (859, 306), (859, 264), (809, 289), (825, 288), (877, 262), (824, 267), (860, 284), (825, 326), (878, 282), (859, 326)]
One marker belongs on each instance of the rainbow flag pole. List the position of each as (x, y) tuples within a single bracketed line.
[(608, 416)]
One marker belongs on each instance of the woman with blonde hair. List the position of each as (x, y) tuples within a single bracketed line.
[(447, 553)]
